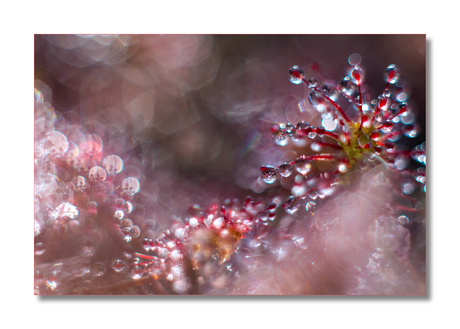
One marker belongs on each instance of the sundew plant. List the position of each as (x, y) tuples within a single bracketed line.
[(229, 165)]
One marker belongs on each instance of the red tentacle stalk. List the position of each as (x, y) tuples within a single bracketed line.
[(336, 106), (334, 146), (321, 131)]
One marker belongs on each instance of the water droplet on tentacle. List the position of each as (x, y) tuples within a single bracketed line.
[(312, 83), (346, 86), (269, 174), (296, 75), (291, 205), (302, 165), (357, 74), (279, 134), (286, 170), (310, 206), (391, 74), (331, 92), (118, 265)]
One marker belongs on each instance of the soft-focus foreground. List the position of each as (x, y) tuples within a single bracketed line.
[(204, 164)]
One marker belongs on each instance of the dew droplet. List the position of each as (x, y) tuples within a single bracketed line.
[(269, 174), (130, 186), (291, 205), (331, 92), (218, 222), (286, 169), (136, 272), (263, 216), (98, 269), (97, 174), (403, 220), (343, 168), (296, 75), (176, 255), (317, 100), (310, 206), (146, 244), (411, 131), (181, 233), (391, 74), (302, 165), (39, 248), (118, 265), (193, 222), (312, 83), (346, 86), (279, 134), (357, 74), (290, 129)]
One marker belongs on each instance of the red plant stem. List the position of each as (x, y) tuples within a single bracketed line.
[(387, 136), (143, 256), (336, 106), (335, 146), (327, 133), (402, 208), (360, 99), (319, 157), (351, 100), (315, 67), (402, 110)]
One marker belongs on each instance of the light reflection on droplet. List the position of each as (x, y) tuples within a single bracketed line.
[(118, 265), (269, 175), (310, 206), (286, 170)]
